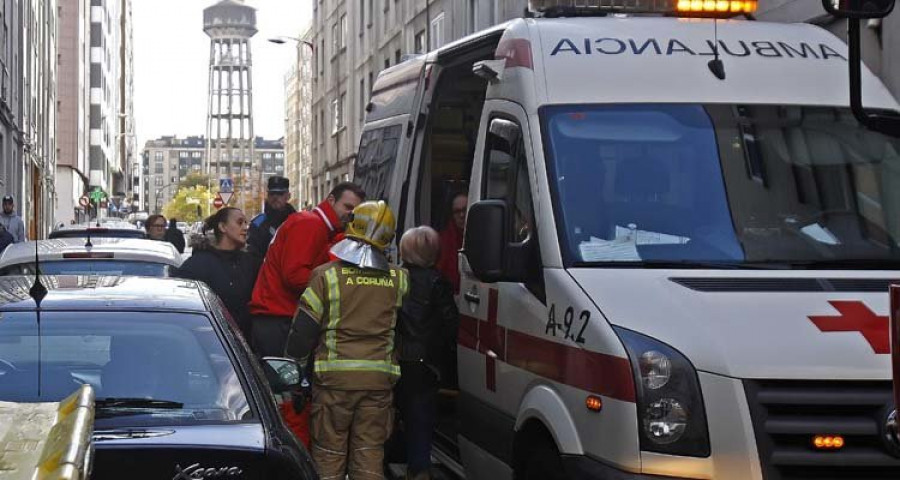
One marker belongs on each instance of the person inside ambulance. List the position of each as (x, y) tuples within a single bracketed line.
[(452, 239), (346, 321)]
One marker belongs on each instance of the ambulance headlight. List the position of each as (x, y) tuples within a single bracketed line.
[(656, 369), (665, 421), (671, 415)]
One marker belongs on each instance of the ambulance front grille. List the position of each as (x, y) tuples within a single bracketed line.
[(788, 414)]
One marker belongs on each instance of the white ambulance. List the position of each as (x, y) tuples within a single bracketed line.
[(671, 269)]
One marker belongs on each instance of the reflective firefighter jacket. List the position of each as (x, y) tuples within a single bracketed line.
[(356, 310)]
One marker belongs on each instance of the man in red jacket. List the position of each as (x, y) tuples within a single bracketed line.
[(300, 245)]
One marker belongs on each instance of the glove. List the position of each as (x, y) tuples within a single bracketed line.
[(301, 395)]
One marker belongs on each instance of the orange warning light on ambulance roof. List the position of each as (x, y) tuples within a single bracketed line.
[(716, 6)]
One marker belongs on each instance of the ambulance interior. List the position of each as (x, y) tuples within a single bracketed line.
[(447, 157), (449, 140)]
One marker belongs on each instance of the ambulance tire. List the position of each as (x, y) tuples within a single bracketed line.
[(539, 459)]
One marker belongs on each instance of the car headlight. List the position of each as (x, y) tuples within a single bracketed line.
[(671, 415)]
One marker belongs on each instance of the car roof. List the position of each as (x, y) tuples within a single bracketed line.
[(103, 292), (128, 249)]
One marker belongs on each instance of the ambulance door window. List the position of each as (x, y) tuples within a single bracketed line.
[(506, 178)]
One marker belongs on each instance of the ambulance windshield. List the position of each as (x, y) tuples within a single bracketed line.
[(801, 187)]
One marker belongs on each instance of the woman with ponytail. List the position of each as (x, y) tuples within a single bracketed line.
[(220, 260)]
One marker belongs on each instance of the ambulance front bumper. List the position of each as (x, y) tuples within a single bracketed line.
[(580, 467)]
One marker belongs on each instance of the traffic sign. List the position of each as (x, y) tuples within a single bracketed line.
[(84, 201), (218, 203), (98, 195), (226, 197), (226, 185)]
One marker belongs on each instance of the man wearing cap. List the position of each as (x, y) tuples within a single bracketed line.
[(12, 222), (275, 212)]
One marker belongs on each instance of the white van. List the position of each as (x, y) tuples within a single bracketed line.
[(665, 273)]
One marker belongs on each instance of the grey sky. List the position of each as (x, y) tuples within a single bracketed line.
[(171, 65)]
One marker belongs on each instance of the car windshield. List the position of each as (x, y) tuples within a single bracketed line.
[(147, 368), (802, 187), (91, 267)]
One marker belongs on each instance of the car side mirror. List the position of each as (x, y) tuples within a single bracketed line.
[(491, 255), (283, 374), (859, 9)]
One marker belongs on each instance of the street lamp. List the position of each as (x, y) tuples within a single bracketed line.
[(282, 39)]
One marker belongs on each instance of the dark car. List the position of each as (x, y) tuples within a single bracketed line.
[(178, 394)]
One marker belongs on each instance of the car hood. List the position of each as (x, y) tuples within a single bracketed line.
[(218, 451), (743, 324)]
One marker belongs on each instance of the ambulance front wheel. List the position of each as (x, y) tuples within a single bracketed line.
[(538, 459)]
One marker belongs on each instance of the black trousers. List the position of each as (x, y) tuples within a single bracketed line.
[(269, 335)]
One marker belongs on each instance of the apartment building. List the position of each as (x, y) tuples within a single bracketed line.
[(167, 161), (298, 122)]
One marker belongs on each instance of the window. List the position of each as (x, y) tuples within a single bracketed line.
[(196, 154), (196, 167), (343, 42), (507, 179), (397, 56), (437, 31), (387, 63), (419, 42), (335, 39), (337, 106), (375, 160), (158, 167), (371, 13), (158, 155), (321, 55), (158, 181), (362, 99), (183, 154), (362, 16)]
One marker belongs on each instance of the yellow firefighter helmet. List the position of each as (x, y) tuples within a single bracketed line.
[(373, 223)]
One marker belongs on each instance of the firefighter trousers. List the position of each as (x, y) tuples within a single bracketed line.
[(348, 430)]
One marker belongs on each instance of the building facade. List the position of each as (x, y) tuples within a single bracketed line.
[(74, 101), (880, 38), (126, 140), (33, 83), (106, 170), (96, 115), (355, 40), (167, 161), (298, 123)]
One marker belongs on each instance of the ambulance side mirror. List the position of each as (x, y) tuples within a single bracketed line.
[(887, 123), (487, 246), (859, 9)]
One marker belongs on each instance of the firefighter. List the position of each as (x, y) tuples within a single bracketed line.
[(347, 317)]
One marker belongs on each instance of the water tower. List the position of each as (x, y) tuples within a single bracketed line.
[(229, 125)]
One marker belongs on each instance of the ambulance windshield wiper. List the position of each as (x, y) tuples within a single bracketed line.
[(136, 402)]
